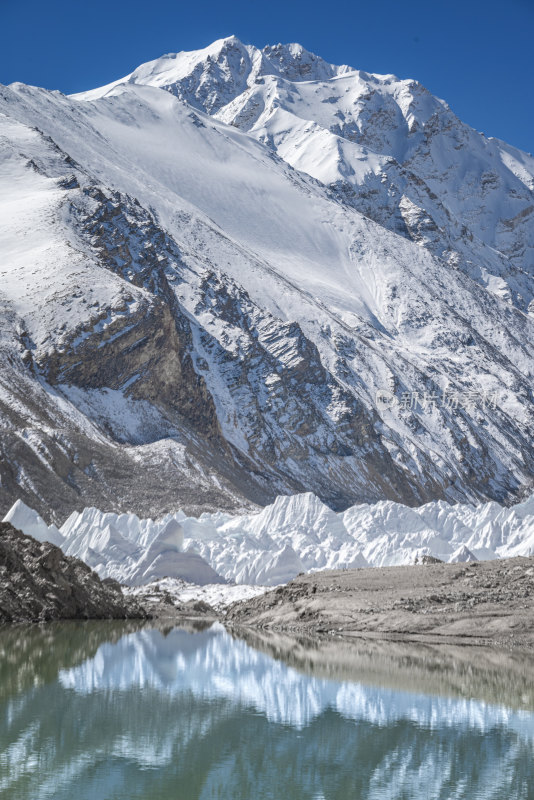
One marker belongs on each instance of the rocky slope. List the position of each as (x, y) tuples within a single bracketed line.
[(241, 273), (38, 583)]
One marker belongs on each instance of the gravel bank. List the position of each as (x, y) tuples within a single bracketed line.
[(490, 602)]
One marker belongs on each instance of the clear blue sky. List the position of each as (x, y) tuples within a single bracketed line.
[(476, 55)]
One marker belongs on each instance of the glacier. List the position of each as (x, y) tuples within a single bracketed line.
[(294, 534)]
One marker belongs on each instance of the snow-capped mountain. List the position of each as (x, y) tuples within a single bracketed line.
[(238, 273), (387, 146)]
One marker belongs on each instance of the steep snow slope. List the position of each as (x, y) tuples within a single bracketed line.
[(294, 534), (201, 310), (67, 316)]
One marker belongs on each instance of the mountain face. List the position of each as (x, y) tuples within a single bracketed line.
[(238, 273)]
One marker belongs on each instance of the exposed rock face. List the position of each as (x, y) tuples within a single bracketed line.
[(38, 583), (146, 346)]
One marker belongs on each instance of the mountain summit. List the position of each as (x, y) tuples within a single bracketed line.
[(237, 273), (211, 77)]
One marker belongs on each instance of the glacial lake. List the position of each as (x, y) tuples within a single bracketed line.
[(102, 711)]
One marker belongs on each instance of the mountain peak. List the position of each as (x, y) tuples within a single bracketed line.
[(225, 67), (228, 40)]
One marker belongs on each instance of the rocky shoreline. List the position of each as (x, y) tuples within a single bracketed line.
[(482, 603)]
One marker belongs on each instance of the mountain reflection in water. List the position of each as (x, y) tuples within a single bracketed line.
[(105, 710)]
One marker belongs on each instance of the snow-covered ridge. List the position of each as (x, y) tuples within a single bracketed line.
[(295, 534), (224, 68)]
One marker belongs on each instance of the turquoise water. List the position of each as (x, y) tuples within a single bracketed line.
[(101, 710)]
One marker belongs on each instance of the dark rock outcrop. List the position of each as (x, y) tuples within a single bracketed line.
[(39, 583)]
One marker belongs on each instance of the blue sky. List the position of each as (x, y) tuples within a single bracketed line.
[(476, 55)]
